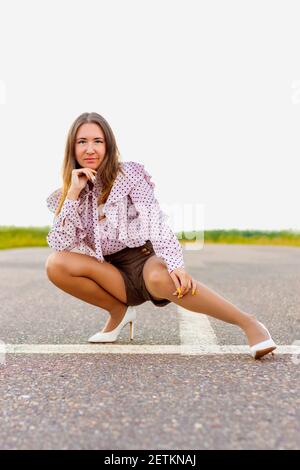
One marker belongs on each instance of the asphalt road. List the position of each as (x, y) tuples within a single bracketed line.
[(151, 401)]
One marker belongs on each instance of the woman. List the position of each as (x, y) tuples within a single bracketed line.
[(127, 252)]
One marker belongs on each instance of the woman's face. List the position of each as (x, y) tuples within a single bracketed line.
[(90, 145)]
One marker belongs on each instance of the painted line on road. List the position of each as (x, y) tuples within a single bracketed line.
[(195, 329), (109, 348)]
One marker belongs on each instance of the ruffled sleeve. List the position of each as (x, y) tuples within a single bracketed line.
[(148, 177), (153, 224), (67, 230)]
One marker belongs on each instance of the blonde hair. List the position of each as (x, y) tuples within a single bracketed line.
[(109, 167)]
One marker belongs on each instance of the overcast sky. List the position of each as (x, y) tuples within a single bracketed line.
[(206, 94)]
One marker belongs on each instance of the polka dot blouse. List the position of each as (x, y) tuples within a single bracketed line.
[(130, 217)]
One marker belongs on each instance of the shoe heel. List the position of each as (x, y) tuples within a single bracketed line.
[(111, 336)]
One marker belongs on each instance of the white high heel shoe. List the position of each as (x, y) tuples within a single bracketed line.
[(111, 336), (260, 349)]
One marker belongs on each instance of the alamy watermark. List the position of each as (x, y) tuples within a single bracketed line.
[(188, 222), (158, 222)]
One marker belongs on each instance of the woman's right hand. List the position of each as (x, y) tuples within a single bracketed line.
[(80, 177)]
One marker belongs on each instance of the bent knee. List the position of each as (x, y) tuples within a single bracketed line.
[(157, 276), (55, 263)]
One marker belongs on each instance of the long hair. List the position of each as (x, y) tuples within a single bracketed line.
[(109, 168)]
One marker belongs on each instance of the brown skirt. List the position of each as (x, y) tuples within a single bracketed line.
[(130, 262)]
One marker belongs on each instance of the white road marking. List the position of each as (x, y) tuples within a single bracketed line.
[(195, 329), (196, 335), (111, 348)]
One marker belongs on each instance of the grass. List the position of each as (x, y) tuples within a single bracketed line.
[(20, 237), (17, 237)]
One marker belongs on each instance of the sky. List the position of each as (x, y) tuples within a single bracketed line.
[(205, 94)]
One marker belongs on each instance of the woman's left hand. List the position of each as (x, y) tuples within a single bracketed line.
[(183, 282)]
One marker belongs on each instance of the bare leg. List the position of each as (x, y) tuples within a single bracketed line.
[(209, 302), (87, 289)]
